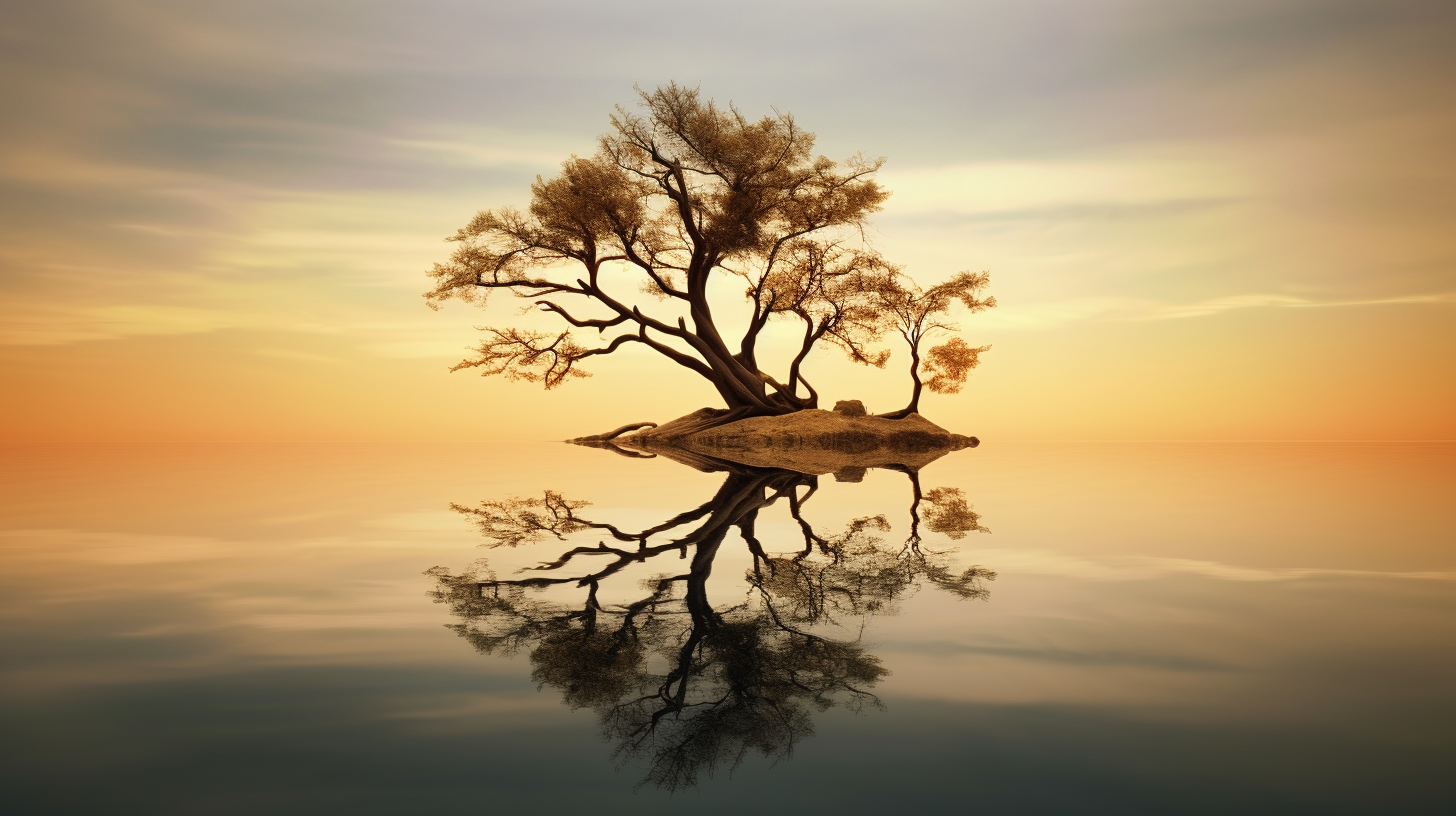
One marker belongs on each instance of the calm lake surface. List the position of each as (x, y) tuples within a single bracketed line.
[(1081, 628)]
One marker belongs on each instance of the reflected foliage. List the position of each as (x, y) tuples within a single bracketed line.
[(682, 686)]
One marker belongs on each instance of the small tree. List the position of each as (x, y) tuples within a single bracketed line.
[(919, 314)]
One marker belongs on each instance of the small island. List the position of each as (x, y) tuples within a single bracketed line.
[(844, 441), (641, 244)]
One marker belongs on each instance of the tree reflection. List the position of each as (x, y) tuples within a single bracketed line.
[(679, 685)]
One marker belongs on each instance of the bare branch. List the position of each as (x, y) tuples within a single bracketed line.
[(599, 325), (531, 356)]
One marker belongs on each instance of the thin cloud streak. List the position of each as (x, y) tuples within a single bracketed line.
[(1005, 188), (1233, 303), (1060, 313)]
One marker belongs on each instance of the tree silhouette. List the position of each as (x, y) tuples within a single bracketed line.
[(679, 685), (681, 195), (919, 314)]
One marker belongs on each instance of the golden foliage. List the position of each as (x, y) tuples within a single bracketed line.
[(947, 365)]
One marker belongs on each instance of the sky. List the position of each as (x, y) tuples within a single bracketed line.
[(1202, 221)]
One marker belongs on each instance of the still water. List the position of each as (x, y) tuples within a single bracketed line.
[(1050, 628)]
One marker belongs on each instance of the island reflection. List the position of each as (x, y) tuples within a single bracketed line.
[(681, 687)]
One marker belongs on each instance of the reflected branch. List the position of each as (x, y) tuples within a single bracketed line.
[(680, 686)]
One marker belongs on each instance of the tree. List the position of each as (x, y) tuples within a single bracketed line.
[(682, 195), (919, 314)]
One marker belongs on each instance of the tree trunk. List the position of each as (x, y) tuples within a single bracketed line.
[(735, 376), (765, 400), (917, 387)]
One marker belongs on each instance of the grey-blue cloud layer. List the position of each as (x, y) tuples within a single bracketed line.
[(300, 93)]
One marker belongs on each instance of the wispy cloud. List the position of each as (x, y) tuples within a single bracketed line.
[(51, 325), (1141, 179), (1237, 302), (1059, 313), (495, 149)]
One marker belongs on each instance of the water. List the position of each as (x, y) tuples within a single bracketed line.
[(1138, 628)]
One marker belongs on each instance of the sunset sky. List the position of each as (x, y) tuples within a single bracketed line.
[(1202, 221)]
